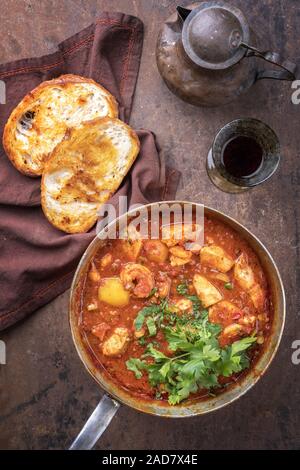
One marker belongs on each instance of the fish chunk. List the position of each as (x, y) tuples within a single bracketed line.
[(244, 327), (244, 276), (156, 251), (106, 260), (173, 235), (257, 296), (243, 273), (224, 313), (206, 291), (230, 334), (163, 285), (117, 343), (100, 330), (132, 248), (179, 256), (184, 305), (215, 257)]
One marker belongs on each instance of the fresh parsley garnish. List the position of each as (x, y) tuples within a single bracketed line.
[(152, 292), (142, 314), (154, 311), (228, 285), (197, 360), (142, 341), (135, 365), (182, 289), (150, 322)]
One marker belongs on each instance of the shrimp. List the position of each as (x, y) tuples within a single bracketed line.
[(245, 326), (138, 279), (233, 321)]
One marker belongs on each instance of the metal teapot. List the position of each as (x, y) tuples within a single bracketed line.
[(206, 54)]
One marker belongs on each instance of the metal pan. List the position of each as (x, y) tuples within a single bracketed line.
[(115, 395)]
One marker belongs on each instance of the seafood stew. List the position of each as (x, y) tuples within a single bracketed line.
[(169, 321)]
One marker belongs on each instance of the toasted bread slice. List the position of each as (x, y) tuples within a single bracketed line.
[(84, 170), (41, 119)]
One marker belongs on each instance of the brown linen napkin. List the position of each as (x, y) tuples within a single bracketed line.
[(37, 261)]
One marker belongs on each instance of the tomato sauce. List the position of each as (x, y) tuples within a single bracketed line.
[(100, 317)]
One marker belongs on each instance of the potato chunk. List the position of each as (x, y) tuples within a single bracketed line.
[(243, 273), (117, 343), (215, 257), (112, 292), (156, 251), (206, 291)]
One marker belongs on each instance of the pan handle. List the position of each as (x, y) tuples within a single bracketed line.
[(96, 424)]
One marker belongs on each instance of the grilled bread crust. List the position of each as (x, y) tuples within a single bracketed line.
[(41, 120), (84, 170)]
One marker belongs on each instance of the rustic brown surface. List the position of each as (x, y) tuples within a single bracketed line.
[(45, 394)]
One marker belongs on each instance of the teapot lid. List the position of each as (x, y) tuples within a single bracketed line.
[(212, 35)]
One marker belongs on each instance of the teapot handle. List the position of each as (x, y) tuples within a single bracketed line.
[(288, 68), (183, 13)]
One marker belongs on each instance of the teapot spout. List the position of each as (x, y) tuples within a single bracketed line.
[(183, 13)]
